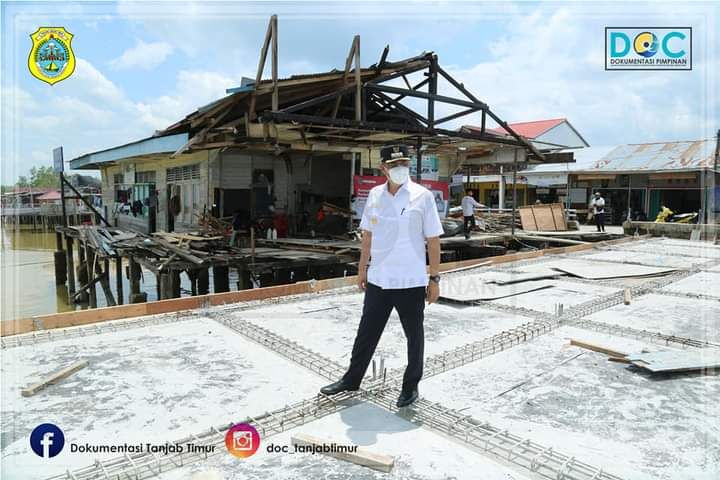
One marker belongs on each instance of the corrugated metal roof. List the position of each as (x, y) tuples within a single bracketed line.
[(659, 156)]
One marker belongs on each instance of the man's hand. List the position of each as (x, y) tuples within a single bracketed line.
[(433, 292), (362, 279)]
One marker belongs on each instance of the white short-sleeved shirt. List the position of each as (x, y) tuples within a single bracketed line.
[(399, 225), (468, 206)]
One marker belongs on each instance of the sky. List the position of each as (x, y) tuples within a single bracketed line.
[(142, 66)]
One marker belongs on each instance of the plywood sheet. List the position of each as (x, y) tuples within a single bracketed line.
[(558, 216), (527, 218), (474, 287), (677, 360), (600, 270), (544, 219)]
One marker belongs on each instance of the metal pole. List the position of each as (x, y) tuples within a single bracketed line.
[(514, 201), (418, 173), (629, 206), (62, 199)]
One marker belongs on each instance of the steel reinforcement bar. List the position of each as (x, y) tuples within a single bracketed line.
[(501, 444), (139, 466)]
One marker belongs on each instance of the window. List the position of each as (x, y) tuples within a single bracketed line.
[(145, 177), (118, 178), (184, 173)]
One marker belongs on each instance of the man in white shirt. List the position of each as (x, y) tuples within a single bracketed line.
[(400, 216), (469, 204), (598, 206)]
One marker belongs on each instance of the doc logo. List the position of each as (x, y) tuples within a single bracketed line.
[(242, 440), (47, 440), (51, 57), (629, 48)]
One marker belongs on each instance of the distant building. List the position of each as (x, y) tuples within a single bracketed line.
[(678, 174)]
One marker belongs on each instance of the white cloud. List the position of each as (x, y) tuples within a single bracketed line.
[(193, 89), (540, 69), (143, 55)]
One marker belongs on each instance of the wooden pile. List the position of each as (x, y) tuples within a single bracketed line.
[(213, 225), (495, 221)]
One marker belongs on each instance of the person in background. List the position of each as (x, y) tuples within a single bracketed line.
[(469, 204), (237, 226), (598, 206)]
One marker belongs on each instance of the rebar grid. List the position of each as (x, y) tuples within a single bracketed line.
[(694, 296), (470, 352), (505, 446), (284, 347), (523, 452), (147, 464), (693, 266), (43, 336), (650, 252)]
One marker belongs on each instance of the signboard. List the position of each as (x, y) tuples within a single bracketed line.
[(58, 160), (362, 184), (429, 167)]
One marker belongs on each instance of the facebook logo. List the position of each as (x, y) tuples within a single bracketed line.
[(47, 440)]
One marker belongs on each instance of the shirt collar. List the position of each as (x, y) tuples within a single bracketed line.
[(409, 186)]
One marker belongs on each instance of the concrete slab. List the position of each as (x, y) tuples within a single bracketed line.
[(567, 293), (468, 288), (659, 258), (698, 251), (150, 384), (602, 412), (328, 325), (419, 453), (705, 283), (595, 269), (685, 317)]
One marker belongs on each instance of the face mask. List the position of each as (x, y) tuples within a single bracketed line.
[(399, 175)]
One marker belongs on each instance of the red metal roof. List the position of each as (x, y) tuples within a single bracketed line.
[(54, 195), (529, 130)]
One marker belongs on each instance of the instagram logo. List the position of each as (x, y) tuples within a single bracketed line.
[(242, 440)]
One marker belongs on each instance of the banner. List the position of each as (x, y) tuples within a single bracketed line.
[(362, 184)]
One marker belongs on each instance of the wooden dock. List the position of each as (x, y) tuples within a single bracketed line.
[(85, 256)]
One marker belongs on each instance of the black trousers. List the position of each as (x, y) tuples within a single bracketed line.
[(378, 303), (468, 223), (600, 221)]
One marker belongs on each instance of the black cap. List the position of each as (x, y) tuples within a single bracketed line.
[(393, 153)]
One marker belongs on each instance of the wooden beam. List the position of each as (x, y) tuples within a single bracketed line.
[(597, 348), (365, 458), (261, 67), (54, 378), (358, 82), (275, 98)]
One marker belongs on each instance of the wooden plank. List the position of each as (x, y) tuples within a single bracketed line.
[(527, 218), (544, 218), (365, 458), (597, 348), (54, 378), (558, 214)]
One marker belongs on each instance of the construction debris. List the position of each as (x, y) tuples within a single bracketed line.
[(600, 271), (677, 361), (349, 453), (54, 378), (544, 217), (472, 288), (597, 348)]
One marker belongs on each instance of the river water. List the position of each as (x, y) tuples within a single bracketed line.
[(27, 279)]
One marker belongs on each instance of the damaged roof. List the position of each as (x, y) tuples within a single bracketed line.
[(686, 155)]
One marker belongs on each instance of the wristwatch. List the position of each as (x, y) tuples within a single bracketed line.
[(435, 278)]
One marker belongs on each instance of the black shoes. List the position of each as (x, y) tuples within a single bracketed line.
[(406, 398), (338, 387)]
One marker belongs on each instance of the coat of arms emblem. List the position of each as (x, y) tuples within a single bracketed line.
[(51, 58)]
